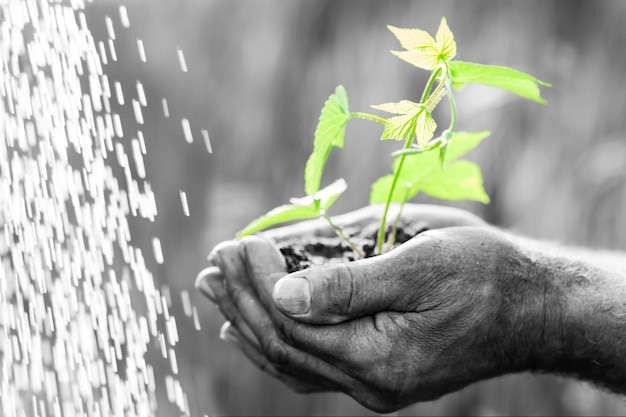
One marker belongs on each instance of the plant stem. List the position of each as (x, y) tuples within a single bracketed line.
[(436, 96), (433, 100), (342, 235), (394, 229), (383, 222), (452, 107), (367, 116), (429, 85)]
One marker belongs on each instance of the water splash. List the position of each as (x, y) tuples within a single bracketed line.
[(72, 338)]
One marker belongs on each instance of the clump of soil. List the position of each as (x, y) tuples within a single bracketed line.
[(309, 251)]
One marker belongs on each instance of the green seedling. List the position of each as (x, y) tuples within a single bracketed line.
[(425, 163)]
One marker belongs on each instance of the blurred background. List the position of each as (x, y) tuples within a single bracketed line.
[(258, 75)]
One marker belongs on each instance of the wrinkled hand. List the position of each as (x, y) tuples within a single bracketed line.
[(439, 312)]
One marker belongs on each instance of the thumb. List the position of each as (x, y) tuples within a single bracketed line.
[(339, 292)]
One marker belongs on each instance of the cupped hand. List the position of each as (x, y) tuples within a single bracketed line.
[(443, 310)]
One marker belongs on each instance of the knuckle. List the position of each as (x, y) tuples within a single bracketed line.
[(285, 331), (236, 293), (275, 351), (267, 367), (226, 251), (220, 248), (340, 289)]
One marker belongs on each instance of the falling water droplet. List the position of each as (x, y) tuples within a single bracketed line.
[(187, 131), (181, 60), (166, 109), (207, 141), (124, 17), (142, 51), (141, 94), (158, 252), (109, 25), (183, 201)]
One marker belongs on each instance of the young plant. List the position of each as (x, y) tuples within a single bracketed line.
[(425, 163)]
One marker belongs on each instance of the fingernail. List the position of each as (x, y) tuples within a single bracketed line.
[(293, 295), (229, 334), (203, 285)]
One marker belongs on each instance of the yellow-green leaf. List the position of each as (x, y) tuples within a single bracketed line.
[(413, 119), (427, 58), (401, 107), (444, 40), (400, 127), (412, 38), (422, 50), (424, 128)]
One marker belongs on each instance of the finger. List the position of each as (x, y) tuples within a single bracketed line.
[(285, 358), (347, 345), (339, 292), (210, 282), (231, 335), (265, 266)]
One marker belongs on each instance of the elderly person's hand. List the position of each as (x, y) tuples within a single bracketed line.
[(447, 308)]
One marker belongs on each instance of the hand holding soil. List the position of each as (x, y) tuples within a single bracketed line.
[(447, 308)]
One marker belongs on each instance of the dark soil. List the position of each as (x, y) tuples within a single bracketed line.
[(309, 251)]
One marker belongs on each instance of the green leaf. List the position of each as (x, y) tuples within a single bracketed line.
[(381, 187), (515, 81), (419, 165), (418, 168), (281, 214), (411, 151), (330, 193), (303, 208), (459, 181), (442, 155), (324, 197), (330, 132), (461, 143)]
